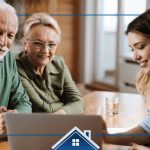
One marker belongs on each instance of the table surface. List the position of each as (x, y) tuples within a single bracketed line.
[(132, 109)]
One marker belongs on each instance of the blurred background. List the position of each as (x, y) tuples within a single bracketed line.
[(93, 44)]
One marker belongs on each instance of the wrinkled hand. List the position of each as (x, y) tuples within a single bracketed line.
[(3, 111), (138, 147), (2, 123), (60, 112)]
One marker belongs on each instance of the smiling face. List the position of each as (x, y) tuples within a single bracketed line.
[(41, 43), (140, 45), (8, 29)]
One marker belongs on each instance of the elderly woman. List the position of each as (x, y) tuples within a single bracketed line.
[(44, 75), (138, 33)]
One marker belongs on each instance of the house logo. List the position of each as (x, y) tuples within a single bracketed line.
[(75, 139)]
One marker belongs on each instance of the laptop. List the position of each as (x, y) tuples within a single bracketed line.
[(52, 132)]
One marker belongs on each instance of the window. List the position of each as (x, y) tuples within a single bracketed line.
[(105, 41), (110, 48), (130, 7), (109, 7), (75, 142)]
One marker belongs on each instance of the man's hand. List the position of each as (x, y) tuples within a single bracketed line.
[(138, 147), (3, 111), (12, 111), (60, 111), (2, 123)]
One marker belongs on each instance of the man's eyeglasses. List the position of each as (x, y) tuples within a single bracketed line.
[(42, 45)]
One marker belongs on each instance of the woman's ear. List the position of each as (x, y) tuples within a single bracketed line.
[(24, 43)]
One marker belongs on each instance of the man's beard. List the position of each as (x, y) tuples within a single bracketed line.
[(5, 51)]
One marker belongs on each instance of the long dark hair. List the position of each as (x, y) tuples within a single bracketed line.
[(140, 24)]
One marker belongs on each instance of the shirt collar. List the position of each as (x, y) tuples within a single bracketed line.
[(51, 68)]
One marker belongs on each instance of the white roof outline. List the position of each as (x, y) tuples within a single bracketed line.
[(63, 139)]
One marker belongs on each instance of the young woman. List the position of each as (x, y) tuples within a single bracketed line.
[(138, 33)]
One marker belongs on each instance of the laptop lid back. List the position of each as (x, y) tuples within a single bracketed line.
[(43, 131)]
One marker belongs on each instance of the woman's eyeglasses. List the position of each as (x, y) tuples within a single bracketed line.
[(43, 45)]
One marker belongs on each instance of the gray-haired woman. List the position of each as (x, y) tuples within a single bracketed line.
[(45, 75)]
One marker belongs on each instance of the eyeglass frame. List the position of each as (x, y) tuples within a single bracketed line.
[(43, 44)]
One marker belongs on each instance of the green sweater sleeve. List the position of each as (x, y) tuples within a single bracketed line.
[(18, 97)]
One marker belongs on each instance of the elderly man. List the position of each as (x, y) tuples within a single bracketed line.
[(13, 97)]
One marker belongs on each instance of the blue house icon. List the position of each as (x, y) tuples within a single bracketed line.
[(75, 139)]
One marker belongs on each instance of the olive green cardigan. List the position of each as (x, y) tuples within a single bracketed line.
[(56, 91)]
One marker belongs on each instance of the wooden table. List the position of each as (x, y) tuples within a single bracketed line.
[(132, 109), (4, 145)]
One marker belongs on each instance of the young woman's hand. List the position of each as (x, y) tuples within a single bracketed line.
[(138, 147)]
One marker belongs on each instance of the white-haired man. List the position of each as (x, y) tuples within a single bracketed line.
[(13, 97)]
